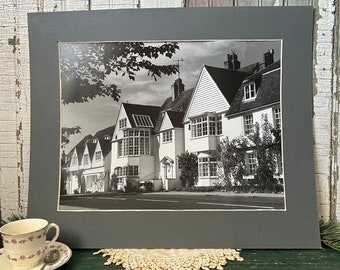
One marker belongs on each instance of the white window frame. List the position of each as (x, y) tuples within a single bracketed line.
[(252, 162), (249, 92), (134, 143), (122, 123), (74, 160), (248, 123), (206, 125), (129, 170), (86, 160), (277, 117), (98, 155), (207, 167), (142, 120), (167, 136)]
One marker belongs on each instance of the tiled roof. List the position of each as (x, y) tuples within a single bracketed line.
[(250, 69), (268, 90), (80, 147), (176, 118), (104, 132), (227, 80), (105, 145), (180, 104), (91, 147)]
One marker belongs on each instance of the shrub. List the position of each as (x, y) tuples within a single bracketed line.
[(132, 185)]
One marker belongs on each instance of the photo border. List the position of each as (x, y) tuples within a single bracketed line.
[(297, 227)]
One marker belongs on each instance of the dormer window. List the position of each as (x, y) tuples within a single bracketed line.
[(142, 120), (249, 92)]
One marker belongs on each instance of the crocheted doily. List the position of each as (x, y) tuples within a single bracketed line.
[(166, 259)]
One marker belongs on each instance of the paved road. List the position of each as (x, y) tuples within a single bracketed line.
[(172, 201)]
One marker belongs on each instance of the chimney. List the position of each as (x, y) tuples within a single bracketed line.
[(268, 58), (177, 88), (232, 62)]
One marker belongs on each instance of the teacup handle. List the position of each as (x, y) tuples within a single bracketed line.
[(56, 227)]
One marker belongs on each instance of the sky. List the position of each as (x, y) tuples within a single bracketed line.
[(102, 112)]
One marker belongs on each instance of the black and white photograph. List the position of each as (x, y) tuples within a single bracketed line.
[(171, 125)]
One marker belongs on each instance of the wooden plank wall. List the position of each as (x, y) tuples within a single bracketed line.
[(15, 90)]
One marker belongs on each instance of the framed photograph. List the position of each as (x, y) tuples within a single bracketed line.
[(151, 127)]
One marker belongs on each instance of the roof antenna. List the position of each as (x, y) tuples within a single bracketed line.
[(177, 64)]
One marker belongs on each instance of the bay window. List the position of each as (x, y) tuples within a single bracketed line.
[(206, 125), (134, 143)]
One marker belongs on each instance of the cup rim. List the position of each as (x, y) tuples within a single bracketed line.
[(6, 226)]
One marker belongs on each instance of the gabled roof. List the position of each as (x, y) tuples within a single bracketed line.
[(227, 80), (250, 69), (80, 147), (105, 146), (176, 108), (180, 104), (104, 132), (176, 118), (267, 83), (91, 148), (136, 109)]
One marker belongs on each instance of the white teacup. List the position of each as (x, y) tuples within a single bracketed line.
[(25, 241)]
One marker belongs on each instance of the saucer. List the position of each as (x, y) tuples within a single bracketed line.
[(65, 255)]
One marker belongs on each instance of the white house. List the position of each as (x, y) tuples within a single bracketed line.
[(75, 157), (89, 166), (204, 119), (257, 98), (133, 143), (171, 144), (147, 140)]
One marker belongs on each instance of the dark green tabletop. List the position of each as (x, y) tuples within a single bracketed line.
[(327, 259)]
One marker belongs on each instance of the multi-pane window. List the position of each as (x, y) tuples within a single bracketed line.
[(119, 174), (219, 125), (167, 136), (252, 163), (98, 156), (277, 118), (206, 125), (212, 167), (249, 92), (212, 125), (207, 167), (134, 143), (74, 160), (248, 124), (119, 171), (131, 170), (86, 159), (199, 127), (142, 120), (122, 123)]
